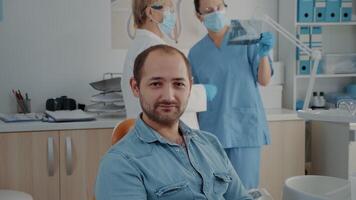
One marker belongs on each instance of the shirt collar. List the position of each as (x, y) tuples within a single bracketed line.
[(225, 39), (149, 135)]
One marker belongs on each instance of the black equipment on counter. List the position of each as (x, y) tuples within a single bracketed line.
[(61, 103)]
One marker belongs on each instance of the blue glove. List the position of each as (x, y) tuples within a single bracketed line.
[(211, 91), (266, 43)]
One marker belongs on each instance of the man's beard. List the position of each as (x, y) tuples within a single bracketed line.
[(157, 115)]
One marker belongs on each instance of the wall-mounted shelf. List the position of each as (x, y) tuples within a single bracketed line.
[(350, 23), (337, 38)]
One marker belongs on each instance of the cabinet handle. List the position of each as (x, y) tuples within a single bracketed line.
[(69, 156), (352, 136), (50, 156)]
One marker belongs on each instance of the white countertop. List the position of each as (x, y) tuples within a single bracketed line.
[(99, 123), (281, 115), (110, 122), (353, 126)]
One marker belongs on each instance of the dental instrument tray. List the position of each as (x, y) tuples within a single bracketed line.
[(244, 32), (111, 83), (108, 97), (110, 100)]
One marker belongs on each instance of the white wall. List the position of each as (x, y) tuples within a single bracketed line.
[(50, 48)]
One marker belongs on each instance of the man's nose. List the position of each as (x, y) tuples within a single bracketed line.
[(168, 93)]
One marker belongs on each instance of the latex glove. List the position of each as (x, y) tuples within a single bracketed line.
[(211, 91), (266, 43)]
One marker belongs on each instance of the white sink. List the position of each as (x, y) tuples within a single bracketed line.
[(332, 115)]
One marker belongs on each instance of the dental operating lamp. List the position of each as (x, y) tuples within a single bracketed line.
[(313, 53)]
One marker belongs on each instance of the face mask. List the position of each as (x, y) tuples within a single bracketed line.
[(215, 21), (168, 23)]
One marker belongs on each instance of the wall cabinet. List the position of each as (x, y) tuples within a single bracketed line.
[(56, 165), (333, 149), (285, 157)]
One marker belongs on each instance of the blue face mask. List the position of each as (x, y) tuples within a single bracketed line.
[(215, 21), (168, 23)]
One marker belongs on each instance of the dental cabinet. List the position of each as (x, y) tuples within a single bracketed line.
[(59, 161), (332, 38), (285, 156), (333, 148), (55, 165)]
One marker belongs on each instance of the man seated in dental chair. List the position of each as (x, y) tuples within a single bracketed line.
[(161, 157)]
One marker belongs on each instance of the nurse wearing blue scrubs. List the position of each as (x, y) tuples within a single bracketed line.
[(236, 114)]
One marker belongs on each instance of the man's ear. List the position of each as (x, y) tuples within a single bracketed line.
[(134, 87)]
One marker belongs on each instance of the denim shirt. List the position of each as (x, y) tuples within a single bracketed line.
[(144, 165)]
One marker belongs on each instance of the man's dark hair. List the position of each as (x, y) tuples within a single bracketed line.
[(142, 57)]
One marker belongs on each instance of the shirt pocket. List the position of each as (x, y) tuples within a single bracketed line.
[(175, 191), (247, 119), (221, 182)]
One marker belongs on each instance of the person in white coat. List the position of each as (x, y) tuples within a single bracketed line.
[(155, 20)]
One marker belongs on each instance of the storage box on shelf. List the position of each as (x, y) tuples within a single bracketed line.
[(332, 35), (272, 94)]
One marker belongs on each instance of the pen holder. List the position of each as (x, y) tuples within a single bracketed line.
[(24, 106)]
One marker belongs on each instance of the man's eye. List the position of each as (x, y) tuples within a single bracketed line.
[(178, 84), (155, 84)]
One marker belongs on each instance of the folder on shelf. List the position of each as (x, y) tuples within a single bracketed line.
[(316, 43), (305, 10), (346, 10), (303, 59), (303, 65), (320, 10), (333, 10), (303, 34)]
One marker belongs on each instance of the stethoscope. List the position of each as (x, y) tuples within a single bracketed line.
[(131, 30)]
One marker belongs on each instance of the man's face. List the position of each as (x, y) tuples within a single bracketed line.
[(164, 88)]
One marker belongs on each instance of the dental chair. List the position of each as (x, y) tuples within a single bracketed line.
[(121, 130), (316, 188), (14, 195)]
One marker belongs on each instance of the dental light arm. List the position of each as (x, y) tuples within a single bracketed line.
[(314, 54)]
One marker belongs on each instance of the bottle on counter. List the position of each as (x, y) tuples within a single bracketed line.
[(318, 101), (322, 101), (314, 102)]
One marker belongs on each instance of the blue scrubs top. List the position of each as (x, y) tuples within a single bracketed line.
[(236, 114)]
